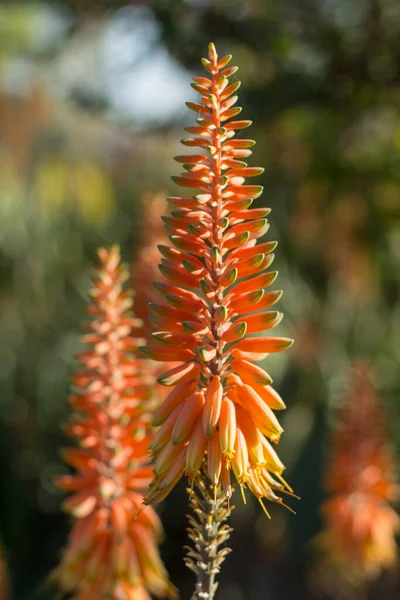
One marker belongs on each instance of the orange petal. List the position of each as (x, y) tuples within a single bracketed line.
[(80, 505), (234, 241), (166, 311), (206, 353), (229, 113), (242, 253), (176, 340), (178, 276), (253, 172), (73, 483), (234, 205), (258, 282), (169, 289), (162, 353), (195, 449), (264, 344), (235, 332), (250, 356), (239, 143), (191, 304), (194, 327), (249, 373), (175, 470), (263, 321), (174, 398), (243, 191), (230, 89), (119, 520), (227, 427), (187, 370), (83, 460), (214, 459), (166, 458), (260, 411), (252, 436), (163, 435), (250, 266), (171, 324), (240, 460), (191, 409), (212, 406), (191, 158), (226, 481), (245, 302), (258, 226), (274, 464), (233, 125), (270, 396), (188, 242)]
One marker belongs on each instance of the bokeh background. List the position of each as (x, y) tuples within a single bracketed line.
[(91, 113)]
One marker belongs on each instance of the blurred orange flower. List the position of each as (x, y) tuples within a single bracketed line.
[(4, 587), (112, 549), (214, 306), (145, 262), (360, 525)]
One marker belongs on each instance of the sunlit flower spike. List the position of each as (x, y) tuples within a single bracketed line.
[(112, 548), (214, 308)]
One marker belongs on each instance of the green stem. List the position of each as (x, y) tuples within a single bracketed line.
[(207, 532)]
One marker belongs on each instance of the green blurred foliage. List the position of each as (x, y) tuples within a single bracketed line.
[(321, 81)]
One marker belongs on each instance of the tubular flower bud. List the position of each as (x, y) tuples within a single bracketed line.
[(112, 548), (358, 539), (214, 316)]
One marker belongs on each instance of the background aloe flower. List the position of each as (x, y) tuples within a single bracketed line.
[(112, 549), (214, 306), (146, 257), (358, 539), (4, 588)]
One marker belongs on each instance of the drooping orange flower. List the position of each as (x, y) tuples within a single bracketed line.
[(112, 549), (214, 306), (360, 525)]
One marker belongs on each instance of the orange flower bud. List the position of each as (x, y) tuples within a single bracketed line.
[(191, 409), (212, 406)]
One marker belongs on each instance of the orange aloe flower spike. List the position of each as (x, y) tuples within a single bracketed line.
[(112, 548), (360, 525), (216, 272)]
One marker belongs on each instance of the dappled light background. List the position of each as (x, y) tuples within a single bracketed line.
[(91, 113)]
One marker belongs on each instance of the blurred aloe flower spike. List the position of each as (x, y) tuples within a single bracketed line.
[(358, 539), (214, 306), (112, 548), (145, 261)]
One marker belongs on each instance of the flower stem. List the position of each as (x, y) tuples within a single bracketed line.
[(207, 532)]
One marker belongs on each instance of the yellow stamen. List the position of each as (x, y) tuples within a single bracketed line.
[(243, 494), (264, 509), (285, 483)]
